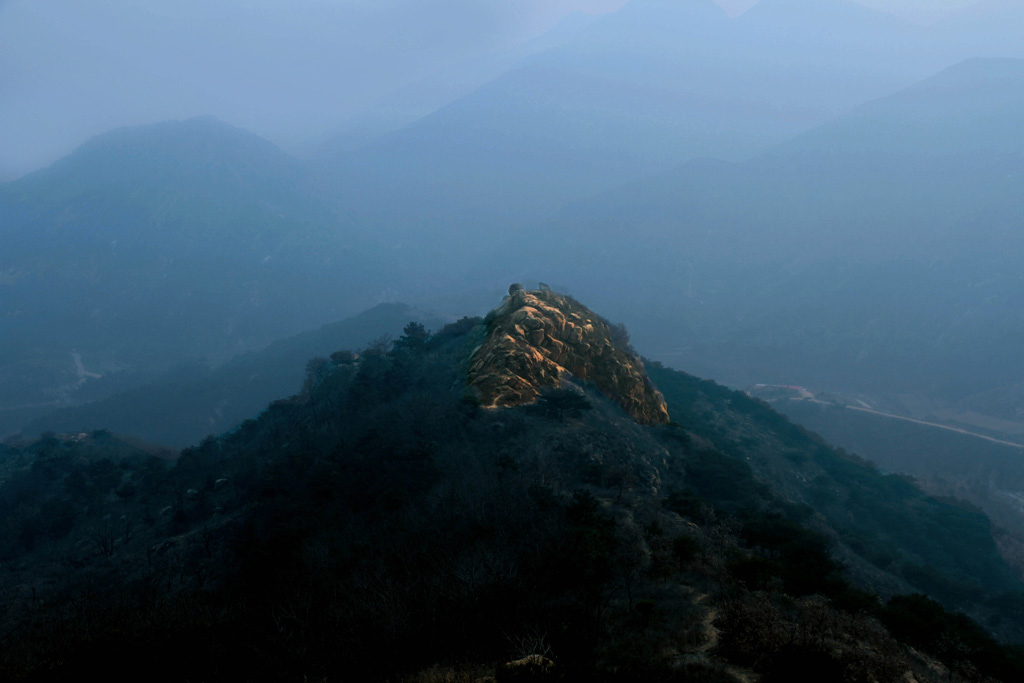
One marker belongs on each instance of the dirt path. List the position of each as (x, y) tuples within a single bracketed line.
[(939, 426), (83, 374), (710, 642), (710, 632)]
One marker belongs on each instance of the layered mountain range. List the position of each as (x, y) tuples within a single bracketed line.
[(153, 246), (872, 249), (636, 92), (877, 253), (811, 197)]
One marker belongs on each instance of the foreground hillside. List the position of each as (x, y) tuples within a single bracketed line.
[(382, 525)]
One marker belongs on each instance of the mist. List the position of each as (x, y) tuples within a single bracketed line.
[(287, 70), (491, 340), (418, 152)]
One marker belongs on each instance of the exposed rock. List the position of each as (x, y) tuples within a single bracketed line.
[(536, 339), (529, 668)]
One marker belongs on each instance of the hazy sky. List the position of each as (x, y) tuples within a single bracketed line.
[(287, 69), (70, 69)]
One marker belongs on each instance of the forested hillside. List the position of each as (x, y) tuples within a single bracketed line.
[(380, 521)]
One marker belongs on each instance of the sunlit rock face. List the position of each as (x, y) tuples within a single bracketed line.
[(536, 338)]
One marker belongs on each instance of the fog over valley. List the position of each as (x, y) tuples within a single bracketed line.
[(266, 390)]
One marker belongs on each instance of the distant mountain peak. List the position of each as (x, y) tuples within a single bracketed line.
[(675, 7), (538, 338), (979, 69), (199, 151), (836, 9), (206, 138), (207, 126)]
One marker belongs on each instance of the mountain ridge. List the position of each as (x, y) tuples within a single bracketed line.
[(383, 488)]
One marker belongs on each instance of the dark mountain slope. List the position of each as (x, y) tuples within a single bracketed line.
[(382, 522), (878, 517), (989, 474), (151, 245)]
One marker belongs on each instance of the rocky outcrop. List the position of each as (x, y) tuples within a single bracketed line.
[(526, 670), (536, 339)]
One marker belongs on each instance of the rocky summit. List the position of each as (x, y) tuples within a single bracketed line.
[(537, 339)]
